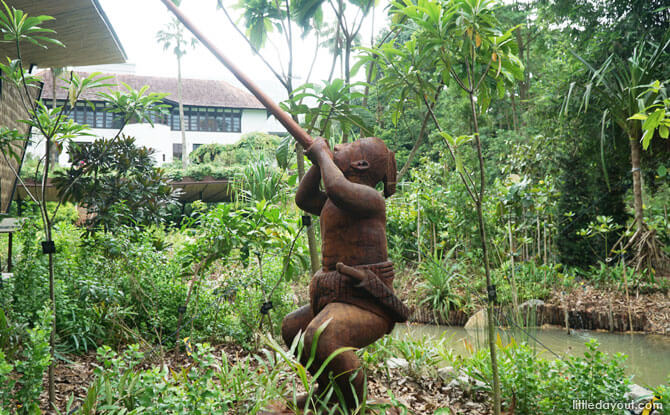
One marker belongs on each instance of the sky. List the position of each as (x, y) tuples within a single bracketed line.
[(136, 23)]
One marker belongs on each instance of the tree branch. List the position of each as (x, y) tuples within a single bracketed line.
[(422, 133), (253, 49)]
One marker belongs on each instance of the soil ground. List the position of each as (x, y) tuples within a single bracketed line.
[(422, 395)]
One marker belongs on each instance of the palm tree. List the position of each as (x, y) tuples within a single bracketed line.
[(173, 37), (621, 84)]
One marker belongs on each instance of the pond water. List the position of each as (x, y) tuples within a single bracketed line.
[(648, 355)]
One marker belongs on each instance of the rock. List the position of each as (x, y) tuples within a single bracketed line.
[(531, 303), (397, 363), (478, 321), (465, 380), (637, 392), (445, 373)]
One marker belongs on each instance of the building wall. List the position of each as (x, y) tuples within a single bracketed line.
[(161, 138), (11, 110)]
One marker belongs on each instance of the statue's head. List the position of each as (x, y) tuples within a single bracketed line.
[(367, 161)]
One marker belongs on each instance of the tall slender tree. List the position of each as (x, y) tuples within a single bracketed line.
[(462, 41), (620, 85), (260, 18), (173, 37)]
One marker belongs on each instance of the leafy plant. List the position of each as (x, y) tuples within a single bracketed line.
[(262, 181), (21, 376), (620, 84), (550, 387), (332, 108), (438, 287), (655, 116), (602, 227), (117, 182), (54, 124)]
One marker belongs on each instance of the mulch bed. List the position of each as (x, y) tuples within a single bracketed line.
[(421, 395)]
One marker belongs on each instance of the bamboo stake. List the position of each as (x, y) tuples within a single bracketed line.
[(434, 240), (610, 314), (544, 230), (285, 119), (565, 312), (625, 282), (418, 228), (537, 232), (515, 299)]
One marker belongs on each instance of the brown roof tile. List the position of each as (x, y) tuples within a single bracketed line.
[(200, 92)]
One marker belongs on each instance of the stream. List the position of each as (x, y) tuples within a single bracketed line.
[(648, 355)]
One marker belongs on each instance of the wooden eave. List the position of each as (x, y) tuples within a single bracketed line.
[(81, 25)]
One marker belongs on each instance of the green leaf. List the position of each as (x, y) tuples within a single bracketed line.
[(500, 88), (663, 131), (283, 151), (646, 138), (638, 116), (662, 171), (654, 119), (449, 139)]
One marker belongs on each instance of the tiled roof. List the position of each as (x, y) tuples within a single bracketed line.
[(201, 92)]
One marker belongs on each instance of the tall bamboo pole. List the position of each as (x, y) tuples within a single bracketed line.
[(285, 119)]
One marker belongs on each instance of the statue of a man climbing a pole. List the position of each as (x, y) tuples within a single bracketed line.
[(352, 296)]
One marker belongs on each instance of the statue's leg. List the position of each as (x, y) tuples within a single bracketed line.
[(295, 322), (349, 326)]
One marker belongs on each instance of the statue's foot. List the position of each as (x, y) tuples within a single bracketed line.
[(308, 401)]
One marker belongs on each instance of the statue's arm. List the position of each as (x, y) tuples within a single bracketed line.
[(309, 197), (352, 197)]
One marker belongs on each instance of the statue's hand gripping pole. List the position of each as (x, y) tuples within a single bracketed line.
[(291, 126)]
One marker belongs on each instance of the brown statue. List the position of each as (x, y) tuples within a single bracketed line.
[(354, 289)]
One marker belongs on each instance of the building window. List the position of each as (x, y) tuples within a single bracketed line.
[(93, 114), (176, 151), (195, 146), (208, 119)]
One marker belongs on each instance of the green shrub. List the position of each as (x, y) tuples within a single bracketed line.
[(542, 387), (196, 389), (439, 277), (117, 182), (533, 281), (246, 150), (663, 393), (22, 364)]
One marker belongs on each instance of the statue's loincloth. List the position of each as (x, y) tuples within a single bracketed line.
[(374, 295)]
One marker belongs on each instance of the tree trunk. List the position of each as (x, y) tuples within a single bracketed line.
[(52, 292), (311, 235), (422, 134), (485, 254), (515, 118), (52, 336), (53, 157), (184, 150), (637, 183)]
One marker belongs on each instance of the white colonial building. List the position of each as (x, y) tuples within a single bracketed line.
[(214, 112)]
